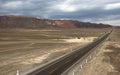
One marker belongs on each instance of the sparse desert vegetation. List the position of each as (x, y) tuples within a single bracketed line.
[(23, 49), (107, 61)]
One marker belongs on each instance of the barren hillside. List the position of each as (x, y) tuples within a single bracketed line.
[(11, 21)]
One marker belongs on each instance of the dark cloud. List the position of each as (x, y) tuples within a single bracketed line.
[(94, 14), (107, 11)]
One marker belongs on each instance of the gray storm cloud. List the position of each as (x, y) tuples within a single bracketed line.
[(105, 11)]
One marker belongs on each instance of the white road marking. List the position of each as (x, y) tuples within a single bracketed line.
[(73, 73), (86, 61), (17, 72), (90, 57), (81, 66)]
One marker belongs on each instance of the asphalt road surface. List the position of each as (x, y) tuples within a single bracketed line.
[(59, 65)]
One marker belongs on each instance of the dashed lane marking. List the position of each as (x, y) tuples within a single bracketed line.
[(67, 61), (53, 70)]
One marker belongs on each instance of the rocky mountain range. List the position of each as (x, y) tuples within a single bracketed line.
[(11, 21)]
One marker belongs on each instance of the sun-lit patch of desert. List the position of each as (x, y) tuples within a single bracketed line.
[(23, 49), (107, 60)]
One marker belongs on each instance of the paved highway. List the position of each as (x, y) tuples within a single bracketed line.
[(59, 65)]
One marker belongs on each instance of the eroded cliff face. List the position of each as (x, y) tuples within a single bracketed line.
[(22, 22), (35, 23)]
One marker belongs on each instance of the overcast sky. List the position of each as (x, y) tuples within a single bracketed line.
[(104, 11)]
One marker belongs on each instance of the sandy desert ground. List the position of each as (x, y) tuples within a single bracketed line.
[(25, 49), (107, 60)]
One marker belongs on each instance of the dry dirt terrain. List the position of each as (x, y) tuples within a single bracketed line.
[(107, 60), (22, 49)]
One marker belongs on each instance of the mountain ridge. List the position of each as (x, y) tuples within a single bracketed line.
[(11, 21)]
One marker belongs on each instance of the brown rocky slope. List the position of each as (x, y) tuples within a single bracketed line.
[(11, 21)]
